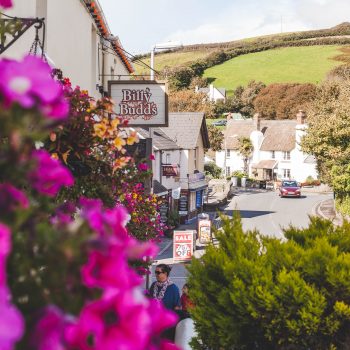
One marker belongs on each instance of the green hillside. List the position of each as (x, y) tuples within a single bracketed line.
[(307, 64), (170, 59)]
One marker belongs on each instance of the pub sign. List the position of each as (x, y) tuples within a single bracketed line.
[(141, 102), (170, 170)]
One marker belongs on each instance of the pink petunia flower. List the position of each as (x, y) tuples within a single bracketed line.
[(117, 322), (50, 175), (11, 325), (29, 83), (142, 167), (11, 198), (6, 3), (109, 269), (152, 157), (49, 331)]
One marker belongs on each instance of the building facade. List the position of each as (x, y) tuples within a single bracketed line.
[(179, 161), (77, 40), (276, 151)]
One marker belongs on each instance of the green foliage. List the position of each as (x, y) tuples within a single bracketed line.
[(213, 170), (255, 292), (173, 218), (328, 134)]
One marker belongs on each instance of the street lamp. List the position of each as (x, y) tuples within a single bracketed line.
[(165, 46)]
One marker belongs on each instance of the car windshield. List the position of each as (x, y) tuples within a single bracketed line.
[(289, 184)]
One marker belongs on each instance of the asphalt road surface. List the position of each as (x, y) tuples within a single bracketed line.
[(261, 210)]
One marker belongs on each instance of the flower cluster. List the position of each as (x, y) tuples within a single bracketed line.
[(122, 318), (80, 259), (145, 220), (29, 84)]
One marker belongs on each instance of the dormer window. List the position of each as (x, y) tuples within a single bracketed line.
[(273, 155)]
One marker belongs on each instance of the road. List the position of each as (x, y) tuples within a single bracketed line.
[(261, 210)]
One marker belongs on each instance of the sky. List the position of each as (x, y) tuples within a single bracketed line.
[(140, 24)]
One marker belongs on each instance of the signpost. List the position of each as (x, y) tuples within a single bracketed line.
[(144, 103), (183, 245)]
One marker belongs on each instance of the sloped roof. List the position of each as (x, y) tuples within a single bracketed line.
[(279, 135), (222, 91), (185, 128), (159, 188), (95, 10), (265, 164), (160, 140)]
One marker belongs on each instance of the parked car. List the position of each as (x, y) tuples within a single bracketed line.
[(289, 188), (220, 123)]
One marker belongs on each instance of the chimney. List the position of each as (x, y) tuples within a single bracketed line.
[(256, 121), (301, 116)]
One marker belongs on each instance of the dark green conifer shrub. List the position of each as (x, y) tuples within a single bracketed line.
[(254, 292)]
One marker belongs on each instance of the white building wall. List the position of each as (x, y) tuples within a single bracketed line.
[(71, 42), (235, 161)]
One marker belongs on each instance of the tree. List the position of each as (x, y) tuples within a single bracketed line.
[(190, 101), (247, 96), (216, 138), (340, 73), (213, 170), (283, 101), (256, 292), (245, 149), (328, 134)]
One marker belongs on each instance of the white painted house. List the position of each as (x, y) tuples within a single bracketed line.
[(179, 160), (214, 94), (276, 155), (77, 40)]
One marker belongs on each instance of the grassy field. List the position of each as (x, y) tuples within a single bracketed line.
[(169, 59), (293, 64)]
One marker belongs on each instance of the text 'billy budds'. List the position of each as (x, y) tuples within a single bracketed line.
[(137, 103)]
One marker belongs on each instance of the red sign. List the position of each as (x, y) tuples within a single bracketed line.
[(170, 170), (182, 245)]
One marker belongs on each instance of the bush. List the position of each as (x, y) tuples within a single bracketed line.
[(212, 169), (255, 292)]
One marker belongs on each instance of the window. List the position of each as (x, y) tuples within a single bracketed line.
[(286, 155), (228, 153), (273, 155), (286, 173), (112, 73), (167, 158), (228, 171)]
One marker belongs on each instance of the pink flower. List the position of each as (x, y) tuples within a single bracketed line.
[(11, 198), (6, 3), (11, 325), (63, 215), (5, 248), (152, 157), (105, 221), (142, 167), (49, 331), (117, 322), (30, 83), (49, 175), (109, 268)]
